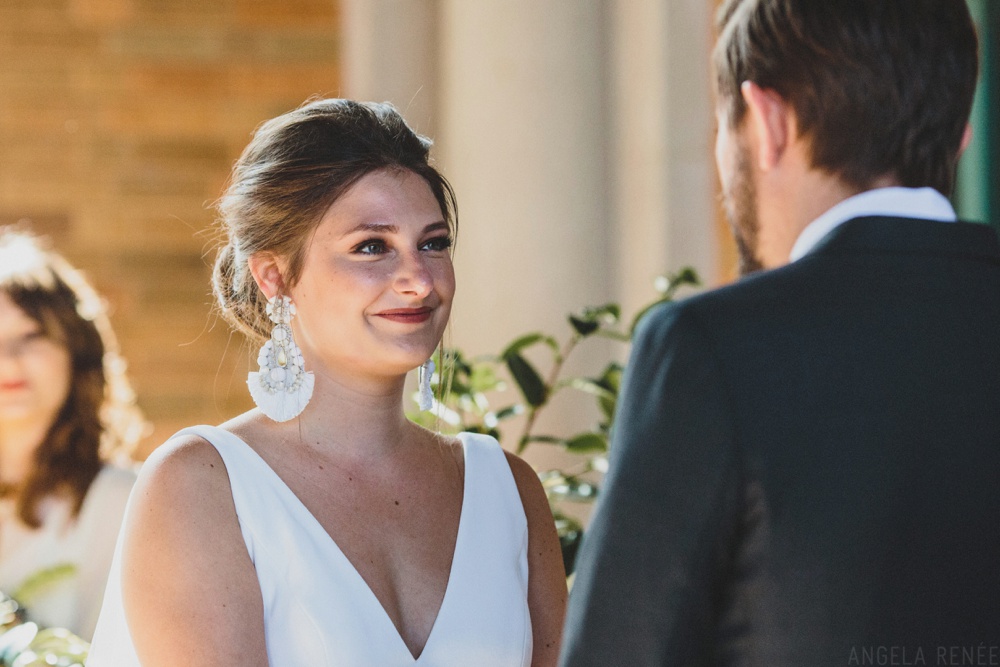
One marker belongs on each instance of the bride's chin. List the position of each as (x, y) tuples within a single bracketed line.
[(398, 370)]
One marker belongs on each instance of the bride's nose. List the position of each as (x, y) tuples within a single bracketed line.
[(413, 277)]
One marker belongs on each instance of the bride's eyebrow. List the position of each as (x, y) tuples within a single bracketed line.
[(436, 226), (386, 228), (377, 227)]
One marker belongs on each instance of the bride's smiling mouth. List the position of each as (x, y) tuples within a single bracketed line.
[(407, 315)]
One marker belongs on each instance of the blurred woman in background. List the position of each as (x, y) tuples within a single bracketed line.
[(66, 409)]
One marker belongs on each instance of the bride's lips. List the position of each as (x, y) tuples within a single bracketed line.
[(407, 315)]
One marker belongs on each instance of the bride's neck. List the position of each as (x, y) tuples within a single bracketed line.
[(359, 422)]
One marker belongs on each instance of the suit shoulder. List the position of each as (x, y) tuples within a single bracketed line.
[(683, 314), (665, 315), (748, 293)]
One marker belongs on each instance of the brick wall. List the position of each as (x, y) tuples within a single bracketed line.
[(119, 121)]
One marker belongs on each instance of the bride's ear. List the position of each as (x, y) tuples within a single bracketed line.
[(268, 272)]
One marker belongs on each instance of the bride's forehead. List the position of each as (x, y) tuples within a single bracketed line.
[(386, 189), (381, 203)]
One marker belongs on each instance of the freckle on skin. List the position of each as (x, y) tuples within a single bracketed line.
[(396, 501)]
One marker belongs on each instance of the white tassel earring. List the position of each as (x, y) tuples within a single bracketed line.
[(426, 397), (282, 388)]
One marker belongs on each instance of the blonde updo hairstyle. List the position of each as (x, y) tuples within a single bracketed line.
[(292, 171)]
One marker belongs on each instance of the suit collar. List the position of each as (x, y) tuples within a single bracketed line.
[(910, 236), (896, 202)]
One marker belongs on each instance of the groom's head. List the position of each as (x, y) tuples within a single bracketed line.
[(878, 91)]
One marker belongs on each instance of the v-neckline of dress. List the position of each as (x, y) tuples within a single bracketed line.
[(350, 567)]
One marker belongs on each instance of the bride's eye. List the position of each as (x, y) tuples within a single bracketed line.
[(370, 247), (437, 244)]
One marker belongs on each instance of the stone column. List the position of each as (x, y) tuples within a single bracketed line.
[(389, 53), (524, 140), (662, 123)]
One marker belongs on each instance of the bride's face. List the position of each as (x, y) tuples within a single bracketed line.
[(377, 281)]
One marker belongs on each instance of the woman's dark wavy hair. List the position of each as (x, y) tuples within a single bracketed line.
[(293, 170), (879, 87), (99, 418)]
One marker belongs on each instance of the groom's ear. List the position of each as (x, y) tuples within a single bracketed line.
[(268, 272), (772, 123)]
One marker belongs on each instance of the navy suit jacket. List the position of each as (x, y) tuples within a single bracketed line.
[(805, 469)]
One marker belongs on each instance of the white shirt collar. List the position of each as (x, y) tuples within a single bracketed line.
[(923, 203)]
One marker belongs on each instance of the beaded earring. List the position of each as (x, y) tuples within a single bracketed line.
[(282, 388), (425, 399)]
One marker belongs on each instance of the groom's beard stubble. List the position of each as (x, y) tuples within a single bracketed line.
[(740, 203)]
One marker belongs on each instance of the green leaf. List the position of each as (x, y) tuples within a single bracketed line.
[(565, 523), (613, 335), (43, 580), (585, 443), (668, 285), (528, 380), (687, 276), (455, 360), (509, 411), (483, 378), (544, 475), (611, 378), (590, 386), (609, 313), (426, 419), (459, 388), (570, 488), (528, 340), (583, 327), (547, 439), (594, 318), (610, 381)]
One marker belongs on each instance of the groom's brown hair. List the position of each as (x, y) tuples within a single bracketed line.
[(879, 87)]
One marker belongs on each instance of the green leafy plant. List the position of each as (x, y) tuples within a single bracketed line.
[(24, 644), (473, 397), (43, 581)]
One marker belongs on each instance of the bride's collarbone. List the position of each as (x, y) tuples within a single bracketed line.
[(385, 501)]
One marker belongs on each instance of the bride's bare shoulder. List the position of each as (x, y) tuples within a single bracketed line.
[(183, 543), (189, 459), (185, 474)]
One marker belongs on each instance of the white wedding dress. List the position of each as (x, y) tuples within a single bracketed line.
[(318, 611)]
